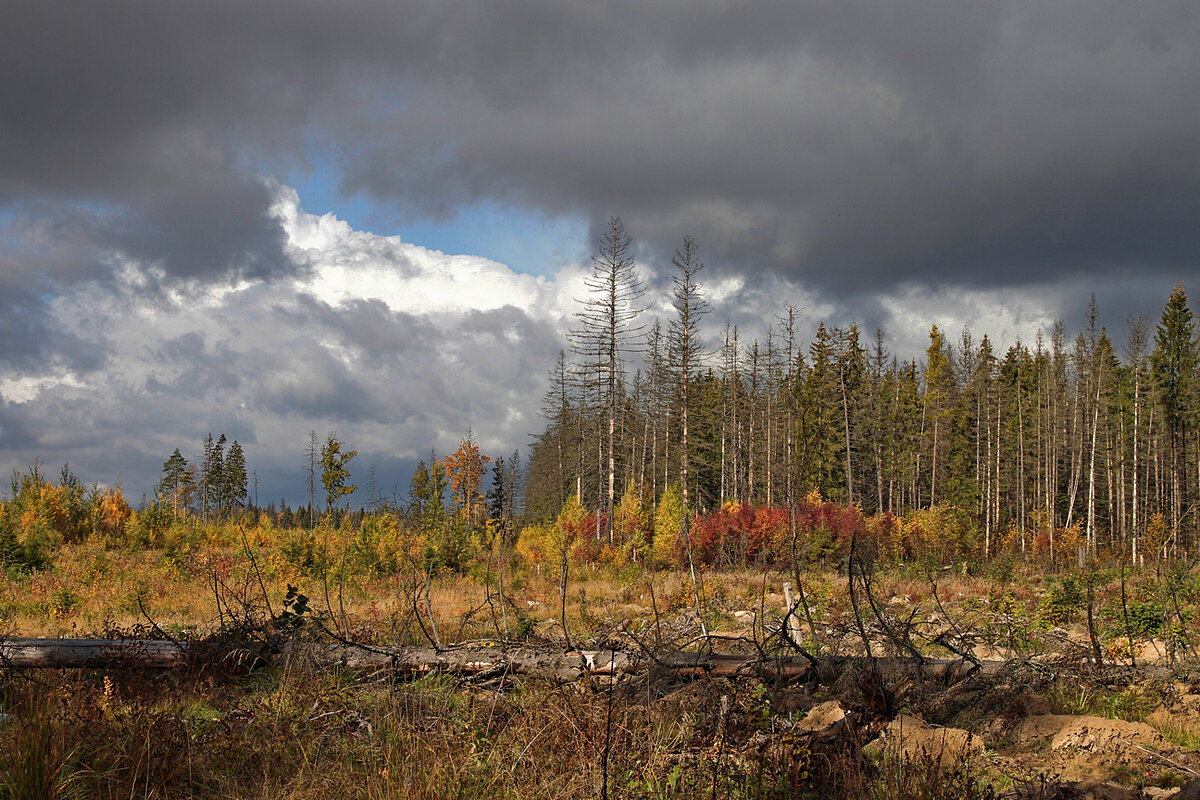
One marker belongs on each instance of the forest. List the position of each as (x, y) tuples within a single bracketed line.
[(1069, 438), (1031, 448)]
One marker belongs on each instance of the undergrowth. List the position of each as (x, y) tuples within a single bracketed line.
[(291, 731)]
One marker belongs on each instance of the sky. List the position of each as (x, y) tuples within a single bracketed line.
[(269, 217)]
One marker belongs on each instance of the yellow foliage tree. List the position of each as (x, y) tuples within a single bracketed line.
[(553, 542), (110, 514), (668, 523), (534, 544), (465, 468), (1155, 537), (630, 528)]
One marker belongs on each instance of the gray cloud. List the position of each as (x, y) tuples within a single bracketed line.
[(847, 143), (855, 148)]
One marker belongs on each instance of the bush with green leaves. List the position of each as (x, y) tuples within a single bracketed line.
[(17, 556)]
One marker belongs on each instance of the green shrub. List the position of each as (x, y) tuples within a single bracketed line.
[(64, 601), (1145, 619), (301, 549), (1063, 602)]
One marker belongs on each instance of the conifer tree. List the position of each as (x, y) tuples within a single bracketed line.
[(685, 345), (607, 334), (335, 472), (939, 388), (171, 487), (1173, 364), (212, 475), (821, 423), (234, 477)]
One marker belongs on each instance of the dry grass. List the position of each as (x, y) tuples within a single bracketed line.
[(290, 733), (293, 732)]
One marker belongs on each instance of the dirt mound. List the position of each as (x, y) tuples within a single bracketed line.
[(822, 716), (1088, 733), (1089, 747), (1190, 791), (912, 739), (1071, 790)]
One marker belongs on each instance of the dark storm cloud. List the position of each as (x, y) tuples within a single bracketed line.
[(15, 429), (854, 144), (31, 342), (131, 128), (857, 147)]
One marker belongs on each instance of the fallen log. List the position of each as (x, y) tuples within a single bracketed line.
[(497, 658), (91, 653), (20, 653), (551, 664)]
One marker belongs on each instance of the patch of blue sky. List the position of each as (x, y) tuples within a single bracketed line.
[(528, 242)]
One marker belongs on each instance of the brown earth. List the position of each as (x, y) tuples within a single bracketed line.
[(910, 738)]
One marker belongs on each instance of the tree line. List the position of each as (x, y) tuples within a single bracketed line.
[(1064, 433)]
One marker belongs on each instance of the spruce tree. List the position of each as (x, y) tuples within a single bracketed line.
[(684, 343), (175, 471), (1173, 366), (212, 475), (234, 476)]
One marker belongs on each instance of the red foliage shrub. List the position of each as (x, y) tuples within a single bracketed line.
[(736, 535)]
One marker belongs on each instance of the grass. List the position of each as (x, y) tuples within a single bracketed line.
[(299, 734), (290, 731), (1130, 704), (1178, 732)]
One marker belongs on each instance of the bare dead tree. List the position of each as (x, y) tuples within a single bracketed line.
[(608, 332)]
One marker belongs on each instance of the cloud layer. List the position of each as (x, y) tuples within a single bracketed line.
[(397, 348)]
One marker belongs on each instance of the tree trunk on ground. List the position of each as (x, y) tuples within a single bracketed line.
[(474, 659)]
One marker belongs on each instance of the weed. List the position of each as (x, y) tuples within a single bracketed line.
[(1168, 779), (1129, 704), (928, 778), (38, 764)]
